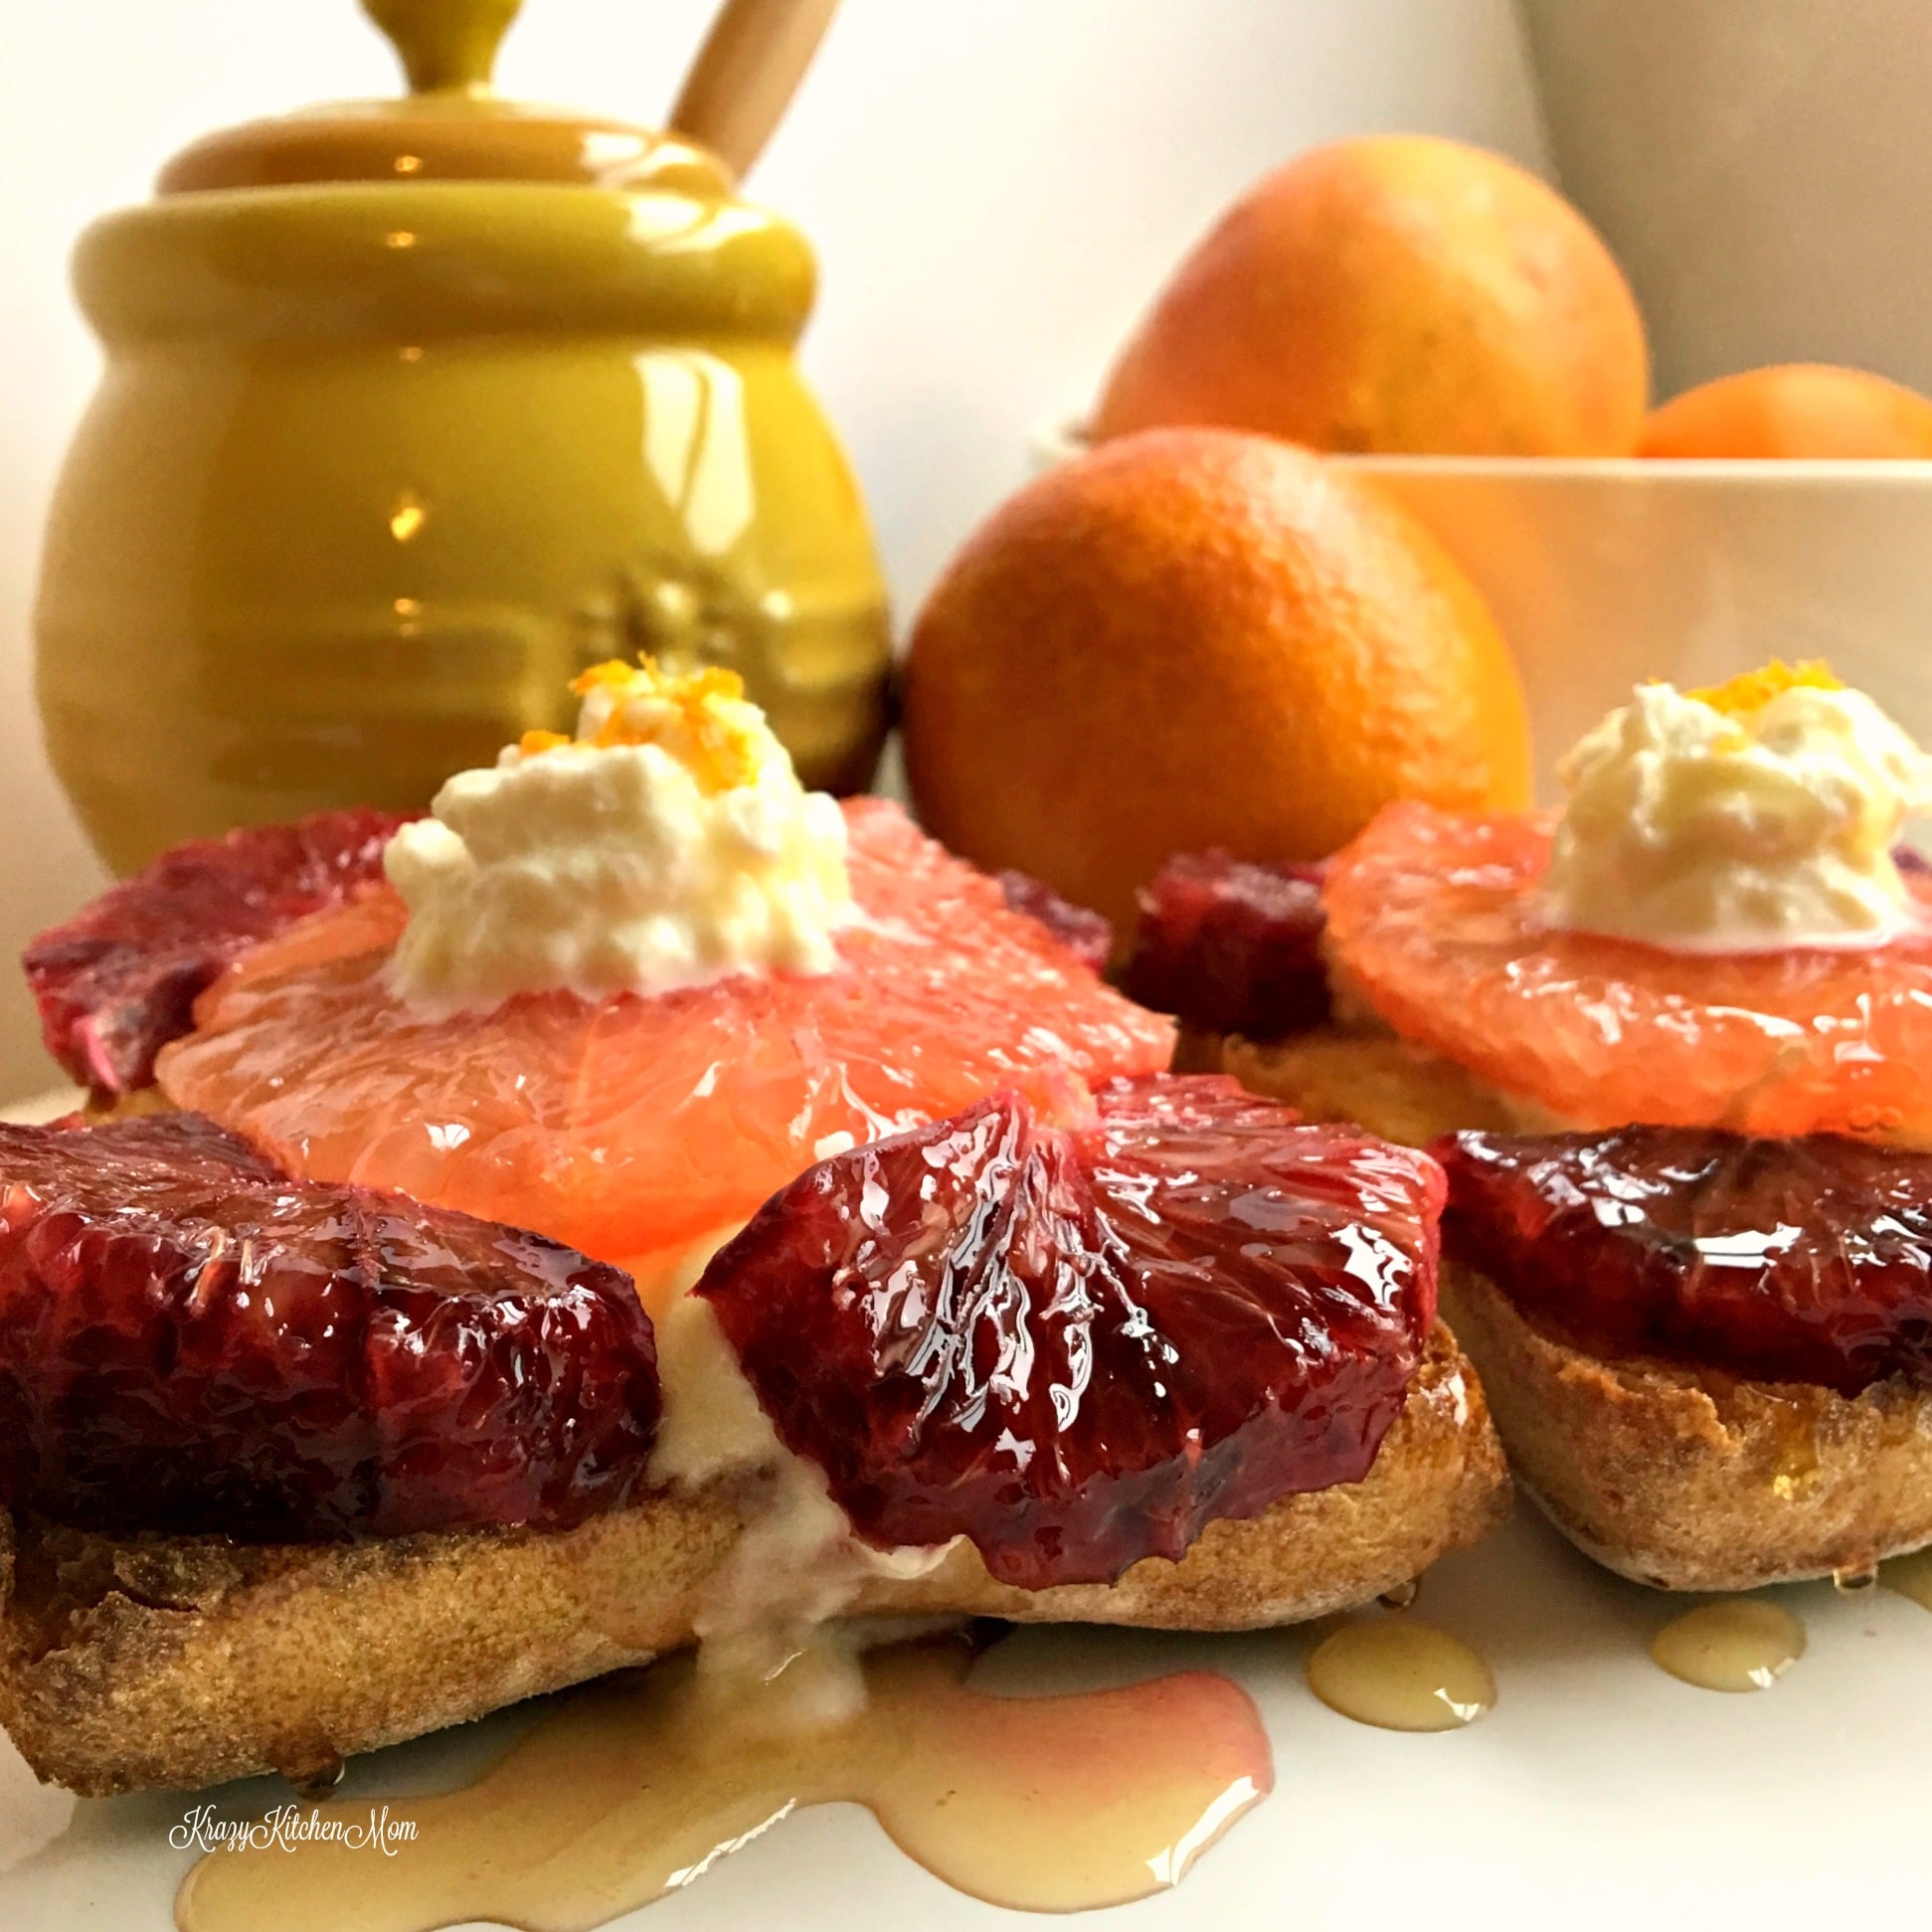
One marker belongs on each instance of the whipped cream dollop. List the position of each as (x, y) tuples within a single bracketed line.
[(668, 843), (1751, 816)]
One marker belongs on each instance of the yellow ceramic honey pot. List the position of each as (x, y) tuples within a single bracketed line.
[(411, 410)]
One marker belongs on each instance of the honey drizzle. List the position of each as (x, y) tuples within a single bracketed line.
[(637, 1785), (1910, 1576), (1400, 1673), (1737, 1644)]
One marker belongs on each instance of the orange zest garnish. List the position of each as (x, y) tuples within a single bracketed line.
[(533, 742), (1752, 691), (725, 755), (613, 671)]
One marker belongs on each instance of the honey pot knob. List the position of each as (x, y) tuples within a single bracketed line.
[(445, 46)]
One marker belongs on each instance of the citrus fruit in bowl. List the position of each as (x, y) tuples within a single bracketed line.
[(1194, 638), (1794, 411), (1394, 293)]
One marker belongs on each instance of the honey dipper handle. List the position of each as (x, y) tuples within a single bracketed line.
[(745, 74)]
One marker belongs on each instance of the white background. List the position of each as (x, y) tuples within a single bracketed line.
[(995, 187)]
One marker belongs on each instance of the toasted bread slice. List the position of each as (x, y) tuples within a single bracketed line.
[(1687, 1478), (136, 1662), (1396, 1091), (1678, 1477)]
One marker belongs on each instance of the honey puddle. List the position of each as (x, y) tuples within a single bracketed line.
[(1739, 1644), (637, 1787), (1401, 1675), (1910, 1576)]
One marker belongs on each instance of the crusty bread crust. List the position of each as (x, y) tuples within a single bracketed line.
[(1687, 1478), (131, 1663)]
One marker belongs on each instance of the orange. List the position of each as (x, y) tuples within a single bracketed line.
[(1395, 293), (1799, 409), (633, 1126), (1196, 637)]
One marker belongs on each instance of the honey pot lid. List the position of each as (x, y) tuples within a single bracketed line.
[(450, 126)]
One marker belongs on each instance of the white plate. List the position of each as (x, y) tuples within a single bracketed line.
[(1599, 1792)]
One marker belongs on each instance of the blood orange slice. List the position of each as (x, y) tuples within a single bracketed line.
[(191, 1341), (1231, 947), (1433, 919), (1796, 1261), (633, 1126), (117, 982), (1079, 1345)]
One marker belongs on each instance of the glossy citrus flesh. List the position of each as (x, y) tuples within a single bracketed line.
[(1400, 293), (1805, 1260), (1077, 1344), (1797, 409), (1435, 920), (1230, 947), (1193, 640), (191, 1341), (637, 1125)]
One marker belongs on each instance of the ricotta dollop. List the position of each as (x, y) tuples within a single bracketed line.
[(1747, 818), (667, 844)]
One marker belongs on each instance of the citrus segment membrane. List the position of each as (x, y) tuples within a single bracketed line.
[(1078, 1345)]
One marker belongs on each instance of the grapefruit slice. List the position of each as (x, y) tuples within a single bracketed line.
[(1433, 920), (635, 1125)]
